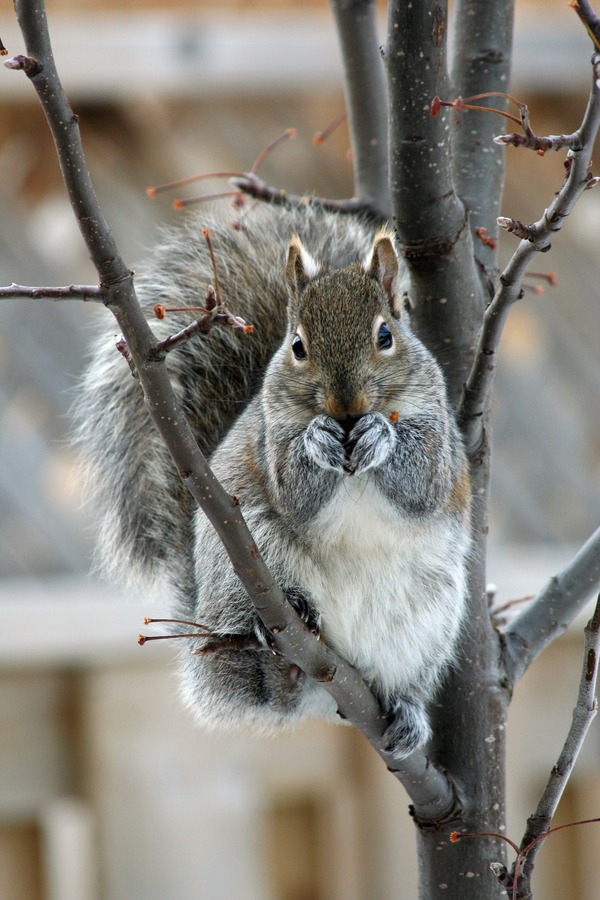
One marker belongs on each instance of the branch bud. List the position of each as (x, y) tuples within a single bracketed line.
[(28, 64)]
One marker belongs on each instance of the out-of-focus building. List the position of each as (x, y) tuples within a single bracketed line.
[(107, 789)]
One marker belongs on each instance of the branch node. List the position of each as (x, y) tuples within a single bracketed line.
[(121, 346), (28, 64)]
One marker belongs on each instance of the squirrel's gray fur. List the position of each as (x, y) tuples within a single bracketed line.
[(347, 462)]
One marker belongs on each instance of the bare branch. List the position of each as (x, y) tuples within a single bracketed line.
[(428, 214), (589, 19), (553, 609), (584, 712), (535, 238), (432, 792), (481, 62), (532, 141), (430, 219), (366, 99), (255, 187), (86, 292), (220, 315)]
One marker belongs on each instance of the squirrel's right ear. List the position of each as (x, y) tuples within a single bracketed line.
[(300, 267)]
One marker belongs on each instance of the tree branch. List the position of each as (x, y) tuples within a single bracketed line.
[(85, 292), (428, 214), (553, 609), (251, 184), (366, 100), (431, 220), (583, 715), (432, 792), (536, 239), (481, 62), (589, 19)]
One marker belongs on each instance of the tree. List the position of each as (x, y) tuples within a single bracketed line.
[(443, 196)]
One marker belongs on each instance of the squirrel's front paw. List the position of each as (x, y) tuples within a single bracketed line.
[(370, 442), (323, 441), (409, 729)]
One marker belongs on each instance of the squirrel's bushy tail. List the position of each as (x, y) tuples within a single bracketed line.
[(144, 511)]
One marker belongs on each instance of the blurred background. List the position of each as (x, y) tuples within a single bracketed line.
[(107, 790)]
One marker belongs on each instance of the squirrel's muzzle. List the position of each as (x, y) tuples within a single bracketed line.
[(347, 405)]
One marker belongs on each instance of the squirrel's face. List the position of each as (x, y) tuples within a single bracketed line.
[(347, 351)]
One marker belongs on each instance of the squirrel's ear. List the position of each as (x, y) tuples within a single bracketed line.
[(383, 265), (300, 266)]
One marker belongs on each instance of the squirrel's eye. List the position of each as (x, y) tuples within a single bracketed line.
[(385, 338), (298, 348)]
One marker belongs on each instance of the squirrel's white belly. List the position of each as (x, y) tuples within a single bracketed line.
[(389, 594)]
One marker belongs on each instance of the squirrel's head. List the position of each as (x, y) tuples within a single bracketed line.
[(347, 345)]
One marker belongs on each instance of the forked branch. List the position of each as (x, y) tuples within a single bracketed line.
[(535, 238)]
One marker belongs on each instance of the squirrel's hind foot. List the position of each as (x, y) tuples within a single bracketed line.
[(409, 728)]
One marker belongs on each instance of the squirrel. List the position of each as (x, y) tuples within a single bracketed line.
[(331, 425)]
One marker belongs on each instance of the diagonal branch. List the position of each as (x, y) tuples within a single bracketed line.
[(432, 792), (553, 609), (589, 18), (583, 715), (536, 239), (366, 99)]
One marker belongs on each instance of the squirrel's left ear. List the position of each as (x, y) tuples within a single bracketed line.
[(300, 267), (383, 265)]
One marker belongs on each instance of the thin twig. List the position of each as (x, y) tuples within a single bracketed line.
[(181, 182), (86, 292), (585, 709), (220, 315), (255, 187), (540, 143), (589, 19)]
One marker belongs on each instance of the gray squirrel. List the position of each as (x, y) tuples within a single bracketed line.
[(332, 427)]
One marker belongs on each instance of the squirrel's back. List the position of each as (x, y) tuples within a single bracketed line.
[(144, 511)]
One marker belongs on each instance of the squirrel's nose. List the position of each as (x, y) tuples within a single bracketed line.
[(351, 405)]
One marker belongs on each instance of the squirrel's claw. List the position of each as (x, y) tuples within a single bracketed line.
[(305, 610)]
